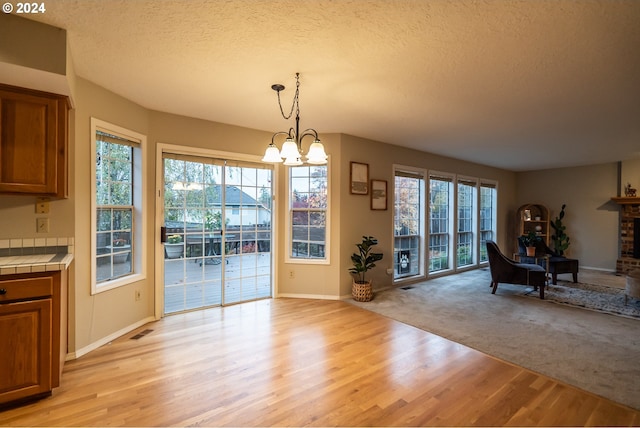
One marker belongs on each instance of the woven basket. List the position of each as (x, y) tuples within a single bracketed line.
[(362, 292)]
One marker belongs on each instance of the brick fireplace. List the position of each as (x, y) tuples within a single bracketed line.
[(629, 238)]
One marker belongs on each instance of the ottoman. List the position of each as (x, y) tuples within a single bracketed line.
[(562, 265)]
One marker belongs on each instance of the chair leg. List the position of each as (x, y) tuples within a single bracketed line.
[(495, 286), (554, 277), (542, 293), (575, 277)]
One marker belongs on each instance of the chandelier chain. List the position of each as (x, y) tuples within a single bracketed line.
[(291, 152), (294, 103)]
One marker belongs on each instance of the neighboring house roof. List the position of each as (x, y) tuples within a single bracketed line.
[(236, 197)]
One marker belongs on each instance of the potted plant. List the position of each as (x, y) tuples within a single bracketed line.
[(120, 250), (529, 240), (173, 247), (363, 260), (559, 237)]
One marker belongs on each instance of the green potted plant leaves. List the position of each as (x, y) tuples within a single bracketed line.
[(529, 240), (559, 238), (363, 260)]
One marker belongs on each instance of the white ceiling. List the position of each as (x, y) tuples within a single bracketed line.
[(519, 85)]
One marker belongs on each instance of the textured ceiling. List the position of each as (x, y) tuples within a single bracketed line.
[(515, 84)]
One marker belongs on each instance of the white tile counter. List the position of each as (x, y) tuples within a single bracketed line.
[(35, 255)]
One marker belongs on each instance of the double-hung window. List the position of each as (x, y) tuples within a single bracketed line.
[(308, 232), (117, 206), (488, 208), (408, 220), (441, 204), (467, 221)]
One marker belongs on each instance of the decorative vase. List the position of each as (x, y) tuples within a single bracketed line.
[(362, 292)]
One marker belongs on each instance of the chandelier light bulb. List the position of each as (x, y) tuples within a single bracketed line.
[(289, 149), (272, 154), (316, 155)]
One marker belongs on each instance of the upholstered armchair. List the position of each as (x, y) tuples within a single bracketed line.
[(557, 263), (503, 269)]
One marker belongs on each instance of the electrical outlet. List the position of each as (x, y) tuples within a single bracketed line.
[(390, 271), (138, 295), (292, 274), (42, 206)]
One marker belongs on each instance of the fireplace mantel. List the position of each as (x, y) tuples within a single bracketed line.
[(626, 200)]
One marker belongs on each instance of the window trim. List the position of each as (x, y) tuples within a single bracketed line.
[(451, 219), (424, 224), (494, 220), (288, 233), (139, 232), (474, 183)]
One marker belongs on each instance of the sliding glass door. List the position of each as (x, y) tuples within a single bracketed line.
[(217, 219)]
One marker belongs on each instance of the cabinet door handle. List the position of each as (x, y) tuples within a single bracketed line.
[(3, 291)]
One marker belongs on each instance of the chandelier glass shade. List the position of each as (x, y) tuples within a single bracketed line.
[(291, 151)]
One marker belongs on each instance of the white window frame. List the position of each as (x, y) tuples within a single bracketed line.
[(424, 231), (289, 234), (494, 214), (475, 220), (451, 242), (139, 220)]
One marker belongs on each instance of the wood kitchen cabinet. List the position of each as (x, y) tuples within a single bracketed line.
[(33, 334), (33, 142)]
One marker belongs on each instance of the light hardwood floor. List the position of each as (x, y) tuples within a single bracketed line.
[(294, 362)]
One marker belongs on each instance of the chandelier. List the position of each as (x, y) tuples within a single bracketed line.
[(292, 148)]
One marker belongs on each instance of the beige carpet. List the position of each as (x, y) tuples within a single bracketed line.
[(591, 350)]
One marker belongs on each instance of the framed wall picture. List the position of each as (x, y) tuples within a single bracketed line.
[(378, 194), (359, 178)]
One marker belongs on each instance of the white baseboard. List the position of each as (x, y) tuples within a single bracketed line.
[(95, 345), (596, 268), (308, 296)]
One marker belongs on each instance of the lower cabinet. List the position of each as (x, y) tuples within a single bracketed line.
[(32, 340)]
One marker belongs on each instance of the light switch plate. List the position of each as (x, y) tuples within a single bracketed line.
[(42, 225)]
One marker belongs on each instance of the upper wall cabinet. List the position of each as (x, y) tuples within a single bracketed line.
[(33, 142)]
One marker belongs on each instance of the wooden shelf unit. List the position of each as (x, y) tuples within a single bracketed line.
[(534, 217)]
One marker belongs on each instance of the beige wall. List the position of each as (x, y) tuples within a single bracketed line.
[(34, 55), (591, 217), (94, 317), (630, 174), (357, 219), (32, 44)]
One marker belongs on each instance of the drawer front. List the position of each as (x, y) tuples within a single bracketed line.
[(25, 288)]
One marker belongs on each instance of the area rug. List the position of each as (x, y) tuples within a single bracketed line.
[(595, 297), (589, 349)]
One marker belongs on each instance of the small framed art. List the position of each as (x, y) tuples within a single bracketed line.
[(359, 178), (378, 194)]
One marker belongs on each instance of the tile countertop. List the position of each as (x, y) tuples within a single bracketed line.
[(28, 255), (34, 263)]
